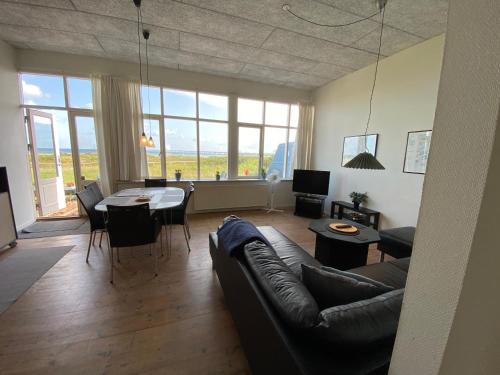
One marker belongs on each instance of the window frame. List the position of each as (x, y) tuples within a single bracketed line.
[(71, 112), (197, 119), (263, 127)]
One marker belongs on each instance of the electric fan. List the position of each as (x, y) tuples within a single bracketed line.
[(273, 179)]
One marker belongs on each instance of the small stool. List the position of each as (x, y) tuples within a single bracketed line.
[(397, 242)]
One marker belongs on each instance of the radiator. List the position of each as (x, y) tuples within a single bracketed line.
[(224, 196)]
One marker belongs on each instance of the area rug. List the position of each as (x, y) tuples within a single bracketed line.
[(54, 228), (21, 268)]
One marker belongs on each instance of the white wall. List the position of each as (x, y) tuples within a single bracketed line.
[(405, 100), (13, 148), (449, 323)]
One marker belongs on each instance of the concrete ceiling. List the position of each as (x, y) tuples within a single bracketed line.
[(248, 39)]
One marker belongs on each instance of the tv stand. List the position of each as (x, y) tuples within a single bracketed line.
[(308, 205)]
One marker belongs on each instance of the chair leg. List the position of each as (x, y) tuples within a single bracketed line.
[(161, 241), (187, 226), (100, 239), (187, 239), (118, 255), (382, 256), (90, 243), (156, 259), (93, 241), (110, 250)]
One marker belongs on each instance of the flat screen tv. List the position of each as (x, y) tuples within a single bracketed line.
[(311, 182)]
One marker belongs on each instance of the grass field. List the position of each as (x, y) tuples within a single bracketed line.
[(186, 163)]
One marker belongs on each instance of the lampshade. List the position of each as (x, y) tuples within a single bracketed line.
[(151, 143), (365, 160), (144, 139)]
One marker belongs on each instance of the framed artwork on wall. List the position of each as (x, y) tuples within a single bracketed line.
[(353, 145), (417, 151)]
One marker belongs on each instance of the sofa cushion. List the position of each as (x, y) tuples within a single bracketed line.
[(331, 288), (291, 299), (364, 279), (389, 273), (402, 263), (289, 252), (361, 323)]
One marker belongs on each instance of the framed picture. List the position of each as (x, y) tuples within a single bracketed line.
[(417, 151), (354, 145)]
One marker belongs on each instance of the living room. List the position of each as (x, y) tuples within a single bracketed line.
[(179, 180)]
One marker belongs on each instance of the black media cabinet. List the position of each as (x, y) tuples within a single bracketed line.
[(309, 206)]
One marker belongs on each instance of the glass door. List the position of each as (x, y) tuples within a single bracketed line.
[(85, 150), (46, 163)]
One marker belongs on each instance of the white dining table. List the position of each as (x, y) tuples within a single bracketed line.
[(160, 198)]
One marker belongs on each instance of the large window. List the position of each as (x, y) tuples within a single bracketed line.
[(190, 129), (267, 132)]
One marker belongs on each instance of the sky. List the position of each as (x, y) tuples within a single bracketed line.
[(47, 90)]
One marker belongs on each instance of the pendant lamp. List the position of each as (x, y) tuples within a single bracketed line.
[(366, 160), (146, 34), (143, 141), (363, 160)]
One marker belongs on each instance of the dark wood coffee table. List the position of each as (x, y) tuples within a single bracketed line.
[(342, 251)]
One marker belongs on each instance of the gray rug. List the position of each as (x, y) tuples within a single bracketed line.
[(54, 228), (21, 268)]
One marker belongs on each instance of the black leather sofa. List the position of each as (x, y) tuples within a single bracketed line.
[(269, 343)]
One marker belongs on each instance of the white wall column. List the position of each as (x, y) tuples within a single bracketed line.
[(13, 147), (450, 319)]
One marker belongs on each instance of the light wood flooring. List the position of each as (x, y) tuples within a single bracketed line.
[(73, 321)]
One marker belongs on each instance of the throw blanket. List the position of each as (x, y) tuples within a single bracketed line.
[(235, 233)]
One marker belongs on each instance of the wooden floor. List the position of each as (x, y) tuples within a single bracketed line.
[(73, 321)]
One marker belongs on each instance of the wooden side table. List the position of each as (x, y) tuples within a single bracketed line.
[(365, 216)]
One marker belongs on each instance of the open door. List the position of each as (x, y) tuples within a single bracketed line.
[(46, 161)]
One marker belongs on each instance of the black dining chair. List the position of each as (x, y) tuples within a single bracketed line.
[(88, 200), (155, 182), (129, 226), (96, 190), (178, 215)]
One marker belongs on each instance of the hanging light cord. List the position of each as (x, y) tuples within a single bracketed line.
[(287, 8), (139, 17), (147, 80), (375, 76)]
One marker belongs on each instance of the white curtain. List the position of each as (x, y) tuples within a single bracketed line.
[(118, 119), (303, 143)]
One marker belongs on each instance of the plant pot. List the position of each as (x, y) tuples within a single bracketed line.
[(264, 175), (217, 177), (178, 176), (356, 205)]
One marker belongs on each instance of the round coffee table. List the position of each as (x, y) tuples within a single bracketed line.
[(342, 251)]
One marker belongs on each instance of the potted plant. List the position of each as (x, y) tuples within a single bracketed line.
[(263, 173), (358, 198), (178, 174), (217, 176)]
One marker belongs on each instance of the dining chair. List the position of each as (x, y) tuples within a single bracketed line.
[(96, 190), (130, 226), (178, 215), (155, 182), (88, 200)]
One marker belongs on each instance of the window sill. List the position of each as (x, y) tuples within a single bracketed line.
[(242, 180)]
